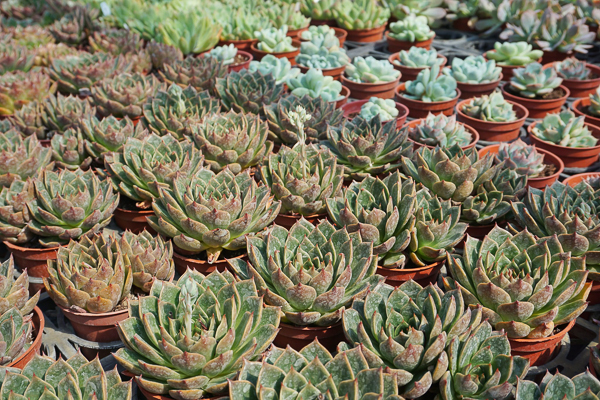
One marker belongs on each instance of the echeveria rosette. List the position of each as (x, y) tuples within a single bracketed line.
[(65, 112), (413, 28), (20, 88), (68, 150), (314, 84), (440, 130), (385, 108), (109, 134), (514, 53), (418, 57), (533, 81), (246, 91), (360, 14), (29, 120), (492, 108), (280, 68), (14, 214), (371, 70), (565, 129), (70, 204), (430, 87), (21, 158), (409, 329), (312, 272), (212, 212), (474, 70), (521, 157), (201, 73), (557, 387), (527, 286), (274, 40), (188, 339), (572, 69), (14, 293), (189, 30)]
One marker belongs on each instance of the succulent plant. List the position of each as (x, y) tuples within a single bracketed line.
[(360, 14), (62, 113), (46, 54), (238, 209), (14, 214), (323, 57), (225, 54), (431, 87), (116, 41), (280, 68), (173, 110), (44, 378), (521, 157), (572, 68), (20, 88), (199, 72), (218, 323), (371, 70), (163, 54), (273, 40), (124, 95), (321, 36), (108, 134), (247, 91), (565, 129), (385, 108), (144, 165), (190, 32), (234, 140), (474, 70), (68, 150), (15, 58), (86, 206), (14, 296), (432, 9), (440, 130), (75, 26), (29, 120), (558, 386), (21, 158), (314, 84), (312, 272), (31, 36), (450, 172), (367, 147), (143, 19), (533, 81), (418, 57), (517, 53), (319, 9), (412, 29), (514, 278), (75, 74), (242, 24), (286, 14), (491, 108)]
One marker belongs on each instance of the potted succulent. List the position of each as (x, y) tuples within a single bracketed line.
[(344, 263), (412, 31), (553, 386), (413, 61), (589, 108), (61, 113), (440, 130), (429, 93), (589, 177), (68, 150), (388, 110), (275, 42), (323, 52), (537, 89), (368, 77), (324, 30), (198, 72), (314, 84), (321, 12), (364, 20), (29, 120), (282, 14), (162, 54), (581, 78), (240, 29), (512, 55), (247, 91), (191, 32), (20, 88), (231, 56), (568, 137), (494, 118), (475, 76), (279, 68)]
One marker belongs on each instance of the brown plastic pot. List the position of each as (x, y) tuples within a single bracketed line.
[(37, 318), (287, 221), (353, 108), (295, 33), (539, 351), (300, 336), (362, 91), (395, 45), (417, 145), (422, 275), (541, 182), (182, 263), (580, 107), (134, 220), (35, 260), (478, 231), (45, 142), (244, 45), (582, 88), (346, 94), (340, 34), (507, 70), (365, 35), (290, 55), (470, 90), (335, 73), (494, 131), (572, 157), (96, 327), (242, 65), (462, 24), (409, 73), (575, 179), (537, 108), (421, 109), (553, 56)]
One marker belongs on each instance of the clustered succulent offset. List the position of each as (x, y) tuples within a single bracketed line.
[(412, 29), (418, 57), (371, 70), (314, 84), (491, 108), (474, 70), (273, 40), (440, 130), (385, 108), (319, 9), (564, 129), (431, 87), (225, 54)]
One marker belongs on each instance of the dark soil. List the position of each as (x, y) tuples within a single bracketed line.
[(549, 170), (239, 58), (555, 94), (224, 255), (125, 203)]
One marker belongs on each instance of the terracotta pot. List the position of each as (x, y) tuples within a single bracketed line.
[(395, 45), (244, 45), (409, 73), (299, 336), (295, 33), (328, 22), (549, 158), (552, 56), (340, 33), (287, 221), (242, 65), (417, 145), (539, 351), (494, 131), (35, 260), (362, 91), (290, 55), (422, 275), (96, 327), (182, 263), (346, 93), (45, 142), (575, 179), (335, 73), (365, 35), (421, 109), (582, 88), (470, 90), (507, 70), (580, 107), (353, 108), (572, 157), (462, 24), (134, 220), (38, 329), (537, 108)]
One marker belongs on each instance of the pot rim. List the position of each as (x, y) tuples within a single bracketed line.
[(140, 211), (345, 81), (37, 342), (399, 92), (304, 69), (520, 107), (472, 130), (402, 109), (591, 66), (240, 41), (249, 57), (12, 246), (538, 101), (583, 176), (562, 332), (195, 261), (476, 85), (411, 270), (594, 128), (583, 102), (282, 54), (299, 29), (310, 327), (380, 27), (395, 56), (414, 44), (92, 315)]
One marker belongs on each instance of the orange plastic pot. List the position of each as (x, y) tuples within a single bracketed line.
[(537, 108), (346, 94), (421, 109), (470, 90), (340, 34), (572, 157), (422, 275), (575, 179), (395, 45), (287, 221), (580, 108), (244, 45), (417, 145), (242, 65), (409, 73), (365, 35), (507, 70), (541, 182), (360, 91), (96, 327), (35, 260), (133, 220), (295, 33), (182, 263), (494, 131), (582, 88), (539, 351), (38, 321), (299, 336), (290, 55), (353, 108), (335, 73)]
